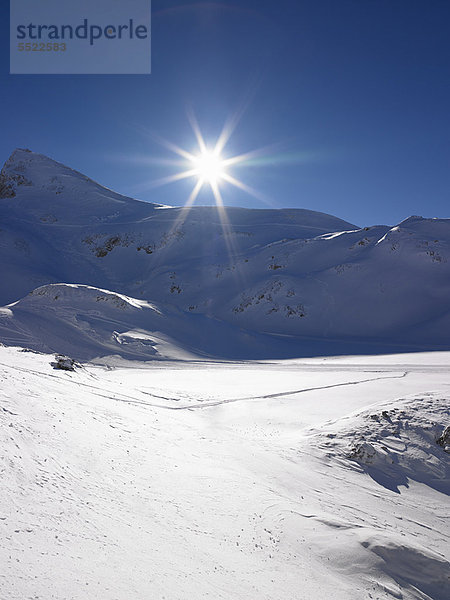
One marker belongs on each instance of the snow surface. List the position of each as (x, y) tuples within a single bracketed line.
[(236, 409), (283, 480), (285, 272), (87, 322)]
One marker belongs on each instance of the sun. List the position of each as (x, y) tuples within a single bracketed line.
[(209, 167)]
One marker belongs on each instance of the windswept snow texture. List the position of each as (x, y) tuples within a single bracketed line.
[(321, 478), (329, 285)]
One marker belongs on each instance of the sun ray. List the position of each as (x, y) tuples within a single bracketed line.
[(211, 168), (246, 157), (172, 178), (246, 188), (179, 222), (196, 129), (227, 131), (172, 147), (144, 159), (232, 122), (187, 207), (185, 210), (224, 222), (228, 234)]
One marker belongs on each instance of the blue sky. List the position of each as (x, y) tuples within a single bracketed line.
[(351, 96)]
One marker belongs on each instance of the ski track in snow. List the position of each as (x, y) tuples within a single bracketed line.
[(107, 496), (133, 400), (305, 478)]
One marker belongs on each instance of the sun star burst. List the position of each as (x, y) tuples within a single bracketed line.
[(210, 167)]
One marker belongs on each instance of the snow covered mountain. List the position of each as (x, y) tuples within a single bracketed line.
[(178, 476), (282, 281)]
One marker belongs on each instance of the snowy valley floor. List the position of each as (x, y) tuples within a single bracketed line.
[(290, 480)]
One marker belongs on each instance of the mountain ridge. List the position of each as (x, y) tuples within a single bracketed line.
[(290, 272)]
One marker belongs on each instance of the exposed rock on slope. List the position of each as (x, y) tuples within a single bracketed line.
[(285, 272)]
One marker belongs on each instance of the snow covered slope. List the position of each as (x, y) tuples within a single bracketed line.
[(183, 476), (284, 272), (86, 322), (285, 481)]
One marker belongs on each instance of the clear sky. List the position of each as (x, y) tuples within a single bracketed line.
[(351, 97)]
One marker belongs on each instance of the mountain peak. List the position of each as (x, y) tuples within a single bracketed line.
[(22, 158), (35, 185), (31, 169), (11, 175), (18, 152)]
